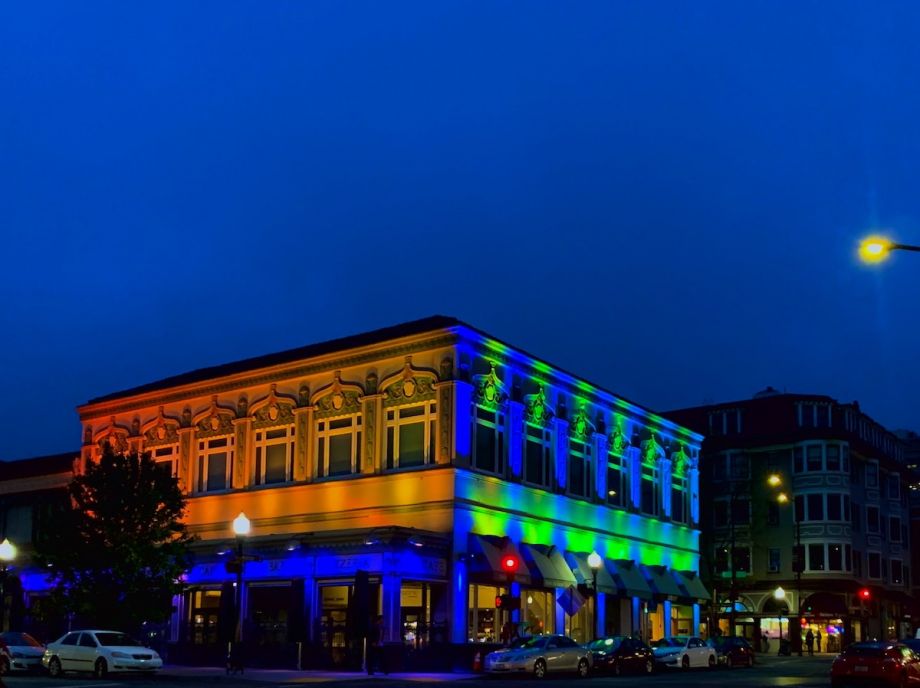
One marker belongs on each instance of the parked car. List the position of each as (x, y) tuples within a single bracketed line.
[(20, 652), (540, 655), (621, 654), (99, 652), (876, 663), (684, 652), (733, 651)]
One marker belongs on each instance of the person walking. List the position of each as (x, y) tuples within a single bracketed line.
[(375, 658), (818, 639), (810, 642)]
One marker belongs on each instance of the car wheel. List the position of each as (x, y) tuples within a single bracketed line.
[(685, 662), (100, 669), (583, 668), (712, 661), (539, 669), (54, 668)]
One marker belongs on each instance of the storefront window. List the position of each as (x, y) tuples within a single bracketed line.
[(423, 617), (682, 620), (578, 625), (538, 612), (268, 612), (483, 614), (204, 611)]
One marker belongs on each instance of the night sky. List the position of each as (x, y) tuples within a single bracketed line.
[(662, 197)]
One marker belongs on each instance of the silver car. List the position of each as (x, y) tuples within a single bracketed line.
[(540, 655)]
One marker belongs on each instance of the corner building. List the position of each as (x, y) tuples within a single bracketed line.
[(419, 455)]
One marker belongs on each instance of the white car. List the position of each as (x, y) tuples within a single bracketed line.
[(684, 652), (99, 652), (20, 652), (540, 655)]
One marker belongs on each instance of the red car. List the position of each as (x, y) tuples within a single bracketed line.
[(876, 664)]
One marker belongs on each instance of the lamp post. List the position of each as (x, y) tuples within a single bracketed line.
[(595, 562), (779, 595), (875, 249), (7, 554), (241, 526), (798, 559)]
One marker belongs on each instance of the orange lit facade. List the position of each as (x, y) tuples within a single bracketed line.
[(415, 458)]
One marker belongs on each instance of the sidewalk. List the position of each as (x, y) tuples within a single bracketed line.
[(292, 676)]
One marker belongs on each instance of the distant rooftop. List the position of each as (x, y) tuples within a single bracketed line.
[(38, 465)]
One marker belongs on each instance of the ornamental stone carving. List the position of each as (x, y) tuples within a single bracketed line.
[(164, 430), (489, 391), (580, 426), (273, 410), (651, 451), (338, 399), (216, 421), (536, 410), (680, 461), (619, 443), (408, 386)]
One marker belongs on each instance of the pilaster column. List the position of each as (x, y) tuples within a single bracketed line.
[(303, 443), (664, 480), (600, 615), (459, 602), (392, 585), (696, 618), (187, 454), (666, 614), (600, 466), (373, 423), (242, 457), (561, 452), (516, 440)]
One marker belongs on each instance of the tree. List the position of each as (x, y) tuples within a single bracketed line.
[(117, 554)]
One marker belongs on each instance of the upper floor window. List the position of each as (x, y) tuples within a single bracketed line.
[(814, 415), (215, 458), (875, 564), (872, 519), (411, 435), (894, 486), (816, 557), (338, 446), (813, 457), (894, 528), (897, 572), (616, 480), (649, 490), (537, 443), (579, 468), (727, 422), (167, 457), (832, 452), (274, 453), (872, 474), (679, 493), (489, 449)]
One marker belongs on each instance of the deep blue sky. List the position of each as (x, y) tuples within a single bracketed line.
[(662, 196)]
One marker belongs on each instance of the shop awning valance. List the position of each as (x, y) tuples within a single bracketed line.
[(629, 579), (662, 582), (578, 562), (691, 586), (484, 558), (547, 566)]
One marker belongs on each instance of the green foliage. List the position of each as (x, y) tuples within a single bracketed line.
[(117, 554)]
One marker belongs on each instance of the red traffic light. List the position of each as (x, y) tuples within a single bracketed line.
[(864, 593), (510, 563)]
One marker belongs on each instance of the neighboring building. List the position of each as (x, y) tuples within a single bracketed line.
[(420, 455), (847, 487), (911, 442)]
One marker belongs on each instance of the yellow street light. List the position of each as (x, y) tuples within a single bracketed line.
[(876, 248), (7, 552), (782, 498), (774, 480), (779, 593), (241, 525)]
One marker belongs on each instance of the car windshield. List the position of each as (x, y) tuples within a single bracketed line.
[(19, 639), (116, 640), (669, 642), (518, 643), (866, 649), (606, 644), (530, 643)]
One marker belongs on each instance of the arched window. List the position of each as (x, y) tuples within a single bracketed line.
[(216, 445), (411, 415), (338, 429)]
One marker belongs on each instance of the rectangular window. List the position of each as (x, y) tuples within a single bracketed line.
[(846, 508), (741, 513), (815, 507), (845, 458), (678, 503), (537, 456), (742, 559), (848, 557), (579, 469), (875, 565), (649, 493), (857, 518), (274, 453), (410, 435), (814, 454), (717, 423), (834, 557), (719, 470), (616, 485), (871, 474), (872, 519), (799, 508), (797, 460), (740, 467), (167, 458), (214, 462), (857, 564), (816, 557), (720, 513), (772, 513), (774, 560), (897, 572), (833, 457), (894, 528), (894, 486), (722, 563), (338, 443), (834, 510), (490, 441)]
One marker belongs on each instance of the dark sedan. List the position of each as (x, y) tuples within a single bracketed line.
[(622, 654), (733, 651)]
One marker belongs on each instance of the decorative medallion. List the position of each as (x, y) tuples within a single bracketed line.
[(581, 426), (408, 388), (651, 451), (536, 410), (410, 384), (490, 392), (338, 399), (618, 442), (214, 422), (165, 431), (273, 412), (161, 432)]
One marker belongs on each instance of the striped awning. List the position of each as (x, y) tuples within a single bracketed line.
[(547, 566), (484, 557), (629, 579), (578, 561), (662, 582), (691, 586)]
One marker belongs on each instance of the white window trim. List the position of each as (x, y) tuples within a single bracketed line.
[(327, 433), (546, 443), (429, 417), (205, 452), (263, 445), (588, 458), (172, 458)]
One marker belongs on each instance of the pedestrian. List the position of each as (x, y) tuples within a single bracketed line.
[(375, 658), (818, 639), (766, 642), (810, 642)]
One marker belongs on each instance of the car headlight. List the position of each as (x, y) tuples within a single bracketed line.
[(121, 655)]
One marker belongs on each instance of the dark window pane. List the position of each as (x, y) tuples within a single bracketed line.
[(816, 507), (217, 471), (677, 505), (649, 503), (258, 465), (340, 455), (214, 444), (412, 411), (533, 463), (412, 445), (576, 475), (833, 457), (834, 512), (391, 447), (614, 486), (834, 558), (816, 557), (814, 457), (276, 463), (485, 448)]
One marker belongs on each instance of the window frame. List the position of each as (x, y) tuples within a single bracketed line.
[(393, 425), (322, 436), (261, 443), (206, 449)]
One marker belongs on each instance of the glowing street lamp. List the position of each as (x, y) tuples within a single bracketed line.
[(7, 555), (774, 480), (779, 595), (595, 562), (241, 526), (875, 249)]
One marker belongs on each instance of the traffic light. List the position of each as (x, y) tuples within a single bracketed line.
[(864, 594), (510, 564), (507, 601)]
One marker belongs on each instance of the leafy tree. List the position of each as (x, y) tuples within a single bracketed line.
[(118, 552)]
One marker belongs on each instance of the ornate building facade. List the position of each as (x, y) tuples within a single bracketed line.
[(392, 471)]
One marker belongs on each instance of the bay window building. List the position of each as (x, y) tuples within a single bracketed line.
[(390, 473)]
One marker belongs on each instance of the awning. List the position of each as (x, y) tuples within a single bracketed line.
[(691, 586), (484, 557), (629, 579), (662, 582), (547, 566), (578, 562)]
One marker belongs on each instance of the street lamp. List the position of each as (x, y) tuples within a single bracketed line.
[(875, 249), (779, 595), (595, 562), (798, 557), (7, 554), (241, 526)]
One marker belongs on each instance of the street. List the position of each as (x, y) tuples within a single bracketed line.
[(770, 671)]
